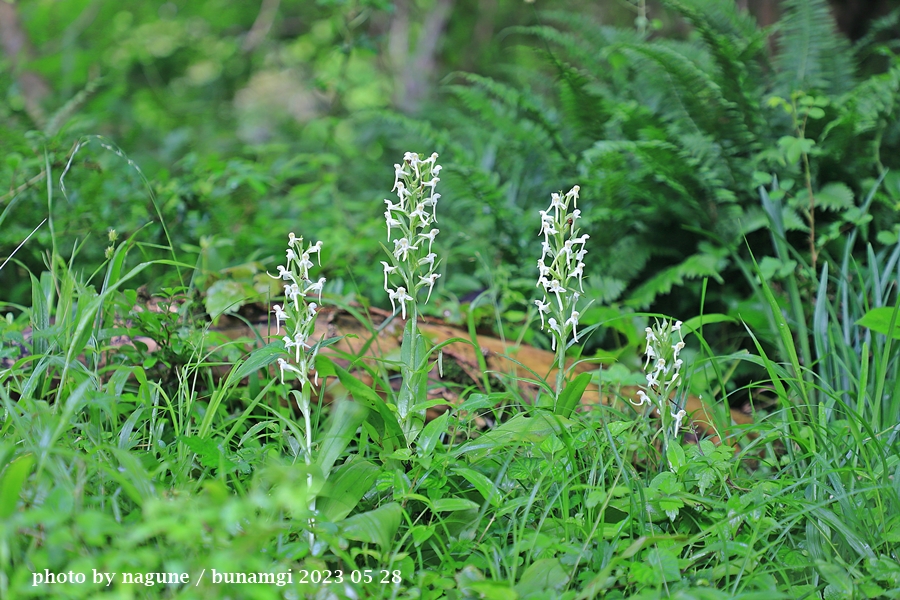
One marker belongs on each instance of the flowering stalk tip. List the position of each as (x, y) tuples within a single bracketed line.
[(409, 223), (560, 272)]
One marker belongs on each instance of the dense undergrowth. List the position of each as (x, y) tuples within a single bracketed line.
[(742, 185)]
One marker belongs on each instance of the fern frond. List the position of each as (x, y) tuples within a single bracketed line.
[(703, 264), (734, 55), (700, 96), (812, 56), (520, 105)]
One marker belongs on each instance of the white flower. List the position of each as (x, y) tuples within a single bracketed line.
[(290, 255), (573, 194), (298, 342), (556, 288), (542, 307), (554, 326), (292, 292), (431, 183), (428, 259), (650, 339), (578, 272), (388, 269), (399, 172), (280, 317), (304, 265), (402, 248), (283, 366), (547, 222), (679, 417), (284, 273), (429, 281), (581, 240), (576, 214), (317, 250), (310, 313), (401, 296), (573, 321), (556, 204), (432, 202), (677, 326), (543, 269), (420, 214), (391, 222), (644, 398), (430, 237), (546, 249), (651, 354), (413, 160), (316, 288)]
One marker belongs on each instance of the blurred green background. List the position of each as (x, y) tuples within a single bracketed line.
[(233, 123)]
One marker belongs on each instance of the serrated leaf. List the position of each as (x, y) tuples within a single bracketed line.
[(775, 268), (705, 479), (834, 196), (207, 451)]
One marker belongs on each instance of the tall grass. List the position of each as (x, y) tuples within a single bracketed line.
[(140, 462)]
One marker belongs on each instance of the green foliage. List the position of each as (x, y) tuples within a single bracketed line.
[(718, 175)]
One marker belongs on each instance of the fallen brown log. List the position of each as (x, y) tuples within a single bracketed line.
[(508, 363), (381, 335)]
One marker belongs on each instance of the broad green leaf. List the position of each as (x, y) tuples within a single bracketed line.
[(675, 455), (492, 590), (693, 324), (431, 435), (485, 486), (374, 527), (421, 533), (541, 576), (521, 429), (837, 577), (345, 419), (665, 563), (40, 317), (380, 416), (879, 320), (619, 427), (225, 296), (452, 505), (258, 359), (570, 397), (11, 483), (344, 489)]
